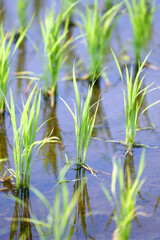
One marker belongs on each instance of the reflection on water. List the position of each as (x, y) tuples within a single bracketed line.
[(21, 62), (2, 11), (84, 222), (22, 209), (129, 176), (129, 169), (83, 209), (101, 116), (3, 136), (37, 6), (51, 151), (3, 145), (102, 128), (71, 56)]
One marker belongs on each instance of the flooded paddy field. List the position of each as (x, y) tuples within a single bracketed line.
[(93, 214)]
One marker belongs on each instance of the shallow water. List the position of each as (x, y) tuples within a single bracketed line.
[(92, 219)]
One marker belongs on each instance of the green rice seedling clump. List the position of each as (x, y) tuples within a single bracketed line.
[(25, 136), (55, 46), (141, 14), (124, 203), (134, 95), (98, 31), (84, 123), (6, 58)]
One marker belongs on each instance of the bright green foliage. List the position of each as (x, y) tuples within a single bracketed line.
[(4, 68), (133, 99), (6, 58), (59, 215), (25, 136), (125, 202), (110, 3), (66, 4), (55, 46), (98, 31), (22, 12), (84, 123), (141, 15)]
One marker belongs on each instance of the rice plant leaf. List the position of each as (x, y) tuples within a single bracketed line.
[(148, 107), (118, 66), (40, 196)]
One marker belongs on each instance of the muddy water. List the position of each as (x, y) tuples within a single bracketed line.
[(93, 213)]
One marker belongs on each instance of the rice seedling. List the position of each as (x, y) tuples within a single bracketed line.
[(141, 15), (65, 5), (98, 30), (6, 58), (124, 203), (110, 3), (25, 136), (134, 95), (55, 46), (59, 219), (22, 6), (84, 123)]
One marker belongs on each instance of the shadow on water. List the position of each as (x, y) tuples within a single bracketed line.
[(83, 209)]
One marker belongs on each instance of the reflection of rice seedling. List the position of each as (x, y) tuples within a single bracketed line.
[(24, 137), (23, 207), (59, 216), (83, 210), (124, 203), (98, 28), (141, 16), (133, 98), (22, 12), (84, 123), (5, 62), (55, 46)]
